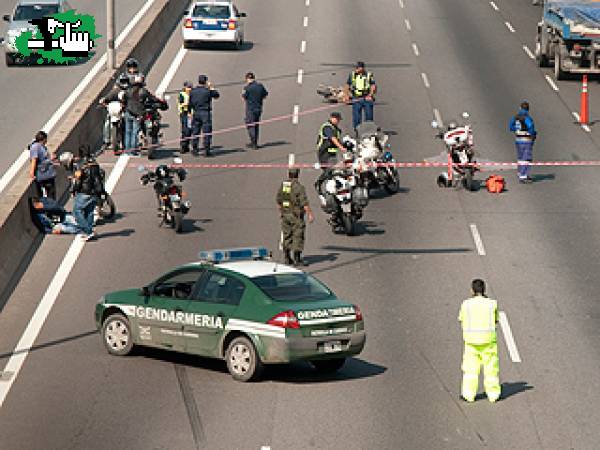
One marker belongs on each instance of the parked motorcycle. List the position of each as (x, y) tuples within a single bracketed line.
[(150, 125), (458, 140), (342, 197), (373, 161), (169, 194)]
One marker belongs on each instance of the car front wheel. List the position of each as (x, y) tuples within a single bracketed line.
[(242, 360), (116, 335)]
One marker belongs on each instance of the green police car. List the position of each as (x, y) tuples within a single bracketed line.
[(236, 305)]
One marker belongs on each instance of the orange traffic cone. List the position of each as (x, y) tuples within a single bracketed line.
[(584, 114)]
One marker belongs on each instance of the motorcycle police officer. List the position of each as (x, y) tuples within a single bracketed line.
[(200, 104), (293, 205), (329, 144), (361, 88), (183, 106)]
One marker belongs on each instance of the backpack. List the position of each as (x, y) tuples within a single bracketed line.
[(495, 184)]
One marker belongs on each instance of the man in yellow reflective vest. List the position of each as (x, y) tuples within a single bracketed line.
[(479, 316), (361, 88), (329, 146), (183, 106)]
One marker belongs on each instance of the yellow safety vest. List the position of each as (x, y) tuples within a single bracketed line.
[(478, 316), (361, 84), (184, 105), (286, 188), (331, 149)]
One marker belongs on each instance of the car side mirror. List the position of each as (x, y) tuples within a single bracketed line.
[(146, 291), (6, 17), (242, 14)]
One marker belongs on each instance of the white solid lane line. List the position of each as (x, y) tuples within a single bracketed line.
[(19, 354), (509, 26), (307, 3), (295, 114), (407, 23), (551, 83), (300, 75), (401, 3), (425, 79), (164, 84), (415, 49), (16, 166), (477, 239), (305, 21), (302, 46), (529, 52), (508, 337), (493, 5)]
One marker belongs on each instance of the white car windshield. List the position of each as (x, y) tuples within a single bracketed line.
[(212, 11), (29, 12), (292, 287)]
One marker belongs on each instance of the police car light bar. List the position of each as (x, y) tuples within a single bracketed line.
[(234, 254)]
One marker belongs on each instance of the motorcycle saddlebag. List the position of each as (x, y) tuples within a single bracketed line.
[(360, 196)]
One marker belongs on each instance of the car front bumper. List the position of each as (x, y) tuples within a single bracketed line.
[(278, 350)]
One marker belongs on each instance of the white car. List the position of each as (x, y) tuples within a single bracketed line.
[(213, 21)]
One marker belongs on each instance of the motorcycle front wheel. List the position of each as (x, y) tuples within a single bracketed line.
[(392, 185), (468, 181), (178, 221), (107, 209), (349, 222)]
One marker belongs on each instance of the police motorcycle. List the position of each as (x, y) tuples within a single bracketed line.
[(105, 206), (150, 124), (342, 196), (169, 194), (114, 115), (458, 140), (373, 161)]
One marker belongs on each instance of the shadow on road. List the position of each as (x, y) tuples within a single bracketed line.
[(511, 388), (315, 259), (52, 343), (300, 373), (543, 177), (121, 233)]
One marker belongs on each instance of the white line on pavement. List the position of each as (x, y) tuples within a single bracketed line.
[(576, 115), (438, 117), (305, 21), (164, 84), (415, 49), (477, 239), (425, 79), (16, 166), (585, 126), (508, 337), (307, 3), (509, 26), (302, 46), (295, 114), (300, 74), (401, 3), (408, 26), (493, 5), (529, 52), (551, 83), (19, 354)]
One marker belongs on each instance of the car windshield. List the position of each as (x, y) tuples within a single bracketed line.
[(29, 12), (288, 287), (211, 11)]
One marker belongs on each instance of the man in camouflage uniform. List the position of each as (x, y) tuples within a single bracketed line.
[(293, 204)]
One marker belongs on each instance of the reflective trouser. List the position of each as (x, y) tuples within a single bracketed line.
[(474, 356), (251, 119), (358, 104), (292, 227), (524, 153), (186, 131)]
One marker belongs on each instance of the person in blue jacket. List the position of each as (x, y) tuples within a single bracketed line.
[(523, 127)]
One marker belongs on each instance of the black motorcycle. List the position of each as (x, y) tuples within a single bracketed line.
[(171, 205), (150, 124)]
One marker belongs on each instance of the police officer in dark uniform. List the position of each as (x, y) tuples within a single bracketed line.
[(293, 205), (253, 94), (329, 145), (200, 105)]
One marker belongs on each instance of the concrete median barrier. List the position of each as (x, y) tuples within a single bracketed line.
[(19, 238)]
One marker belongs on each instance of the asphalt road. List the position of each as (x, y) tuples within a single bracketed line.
[(31, 94), (408, 269)]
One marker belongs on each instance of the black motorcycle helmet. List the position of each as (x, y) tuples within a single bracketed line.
[(162, 171), (123, 81), (132, 63)]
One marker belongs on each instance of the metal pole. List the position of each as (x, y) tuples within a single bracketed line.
[(110, 34)]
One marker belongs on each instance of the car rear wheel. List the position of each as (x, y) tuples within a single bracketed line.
[(10, 59), (116, 335), (328, 365), (243, 362)]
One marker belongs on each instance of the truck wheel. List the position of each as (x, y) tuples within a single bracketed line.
[(559, 74), (116, 335), (540, 56), (243, 362), (328, 365)]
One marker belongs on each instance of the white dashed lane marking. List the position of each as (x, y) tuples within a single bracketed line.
[(425, 79), (551, 83), (415, 49), (493, 5), (477, 239), (300, 75), (295, 114), (509, 26), (407, 23), (401, 3), (529, 52), (508, 337), (302, 46), (305, 21)]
